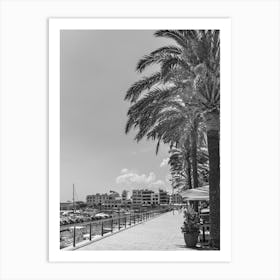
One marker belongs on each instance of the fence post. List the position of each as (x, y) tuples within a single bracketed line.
[(112, 225), (90, 231), (119, 223), (101, 228), (74, 237), (130, 219), (203, 233), (125, 222)]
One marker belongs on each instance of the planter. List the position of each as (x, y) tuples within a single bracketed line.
[(191, 238)]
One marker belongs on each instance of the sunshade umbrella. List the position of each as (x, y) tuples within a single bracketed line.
[(201, 193)]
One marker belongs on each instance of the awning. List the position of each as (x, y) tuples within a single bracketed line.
[(201, 193)]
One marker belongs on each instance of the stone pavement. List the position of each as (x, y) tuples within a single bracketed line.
[(160, 233)]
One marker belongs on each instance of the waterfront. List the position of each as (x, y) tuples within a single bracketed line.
[(161, 233), (71, 235)]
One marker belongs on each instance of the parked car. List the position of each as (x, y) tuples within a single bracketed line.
[(102, 215)]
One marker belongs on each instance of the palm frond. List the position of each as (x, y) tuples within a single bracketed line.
[(157, 57), (165, 104), (168, 66), (158, 145), (176, 35), (146, 83)]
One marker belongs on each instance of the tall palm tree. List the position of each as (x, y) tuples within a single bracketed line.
[(168, 121), (207, 88), (190, 69)]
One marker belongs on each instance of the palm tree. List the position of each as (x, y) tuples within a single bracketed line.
[(167, 121), (207, 88), (181, 167), (190, 70)]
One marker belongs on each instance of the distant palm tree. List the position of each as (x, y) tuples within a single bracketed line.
[(180, 169), (190, 71)]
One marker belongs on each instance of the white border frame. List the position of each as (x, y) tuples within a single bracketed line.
[(55, 25)]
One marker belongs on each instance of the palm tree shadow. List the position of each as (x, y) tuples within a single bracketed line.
[(182, 246), (204, 248)]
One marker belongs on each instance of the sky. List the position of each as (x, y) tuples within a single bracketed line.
[(97, 68)]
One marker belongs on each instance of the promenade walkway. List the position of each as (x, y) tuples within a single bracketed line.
[(160, 233)]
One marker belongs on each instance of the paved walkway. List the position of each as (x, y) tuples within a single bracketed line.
[(160, 233)]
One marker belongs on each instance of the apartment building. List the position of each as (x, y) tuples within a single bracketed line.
[(147, 197), (163, 197), (98, 199)]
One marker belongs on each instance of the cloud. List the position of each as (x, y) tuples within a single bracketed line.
[(124, 170), (132, 177), (130, 180), (158, 184), (164, 162)]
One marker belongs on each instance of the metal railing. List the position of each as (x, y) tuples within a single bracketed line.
[(71, 235)]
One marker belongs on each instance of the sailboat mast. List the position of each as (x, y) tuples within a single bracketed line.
[(74, 198)]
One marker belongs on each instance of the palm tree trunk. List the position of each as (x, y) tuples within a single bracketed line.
[(194, 160), (194, 155), (213, 139), (189, 170)]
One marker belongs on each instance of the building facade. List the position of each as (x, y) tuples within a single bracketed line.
[(99, 199), (136, 197), (124, 195), (109, 201), (163, 197), (146, 197), (155, 199), (139, 198)]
